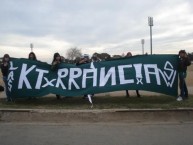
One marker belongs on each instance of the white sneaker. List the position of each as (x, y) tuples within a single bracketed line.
[(179, 98)]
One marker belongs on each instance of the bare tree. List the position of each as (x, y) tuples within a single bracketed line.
[(73, 53)]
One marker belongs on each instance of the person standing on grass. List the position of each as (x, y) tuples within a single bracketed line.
[(94, 59), (182, 70), (55, 63), (5, 69), (137, 91), (83, 60), (80, 61), (32, 56)]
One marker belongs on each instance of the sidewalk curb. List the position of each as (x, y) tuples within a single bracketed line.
[(92, 115)]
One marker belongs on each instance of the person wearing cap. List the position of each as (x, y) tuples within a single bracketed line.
[(5, 70), (182, 71)]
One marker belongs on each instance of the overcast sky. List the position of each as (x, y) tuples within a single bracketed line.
[(112, 26)]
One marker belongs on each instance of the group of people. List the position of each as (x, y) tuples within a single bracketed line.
[(5, 70), (184, 62)]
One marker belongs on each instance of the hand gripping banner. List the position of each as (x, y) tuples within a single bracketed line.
[(155, 73)]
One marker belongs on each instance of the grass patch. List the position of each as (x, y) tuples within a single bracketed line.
[(102, 102)]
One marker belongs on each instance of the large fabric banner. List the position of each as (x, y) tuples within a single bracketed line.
[(155, 73)]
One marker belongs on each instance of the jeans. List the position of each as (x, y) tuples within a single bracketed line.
[(6, 89), (183, 87)]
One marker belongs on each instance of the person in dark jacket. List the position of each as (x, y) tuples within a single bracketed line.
[(5, 69), (56, 61), (32, 56), (182, 70)]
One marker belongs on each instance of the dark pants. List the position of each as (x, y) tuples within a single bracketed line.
[(137, 92), (183, 87), (58, 97)]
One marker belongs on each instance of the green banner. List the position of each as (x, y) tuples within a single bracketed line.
[(155, 73)]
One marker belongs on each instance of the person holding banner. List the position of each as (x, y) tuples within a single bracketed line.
[(137, 91), (56, 61), (83, 60), (32, 56), (5, 69), (182, 69)]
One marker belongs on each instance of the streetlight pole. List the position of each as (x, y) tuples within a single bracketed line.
[(31, 46), (150, 23), (142, 42)]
